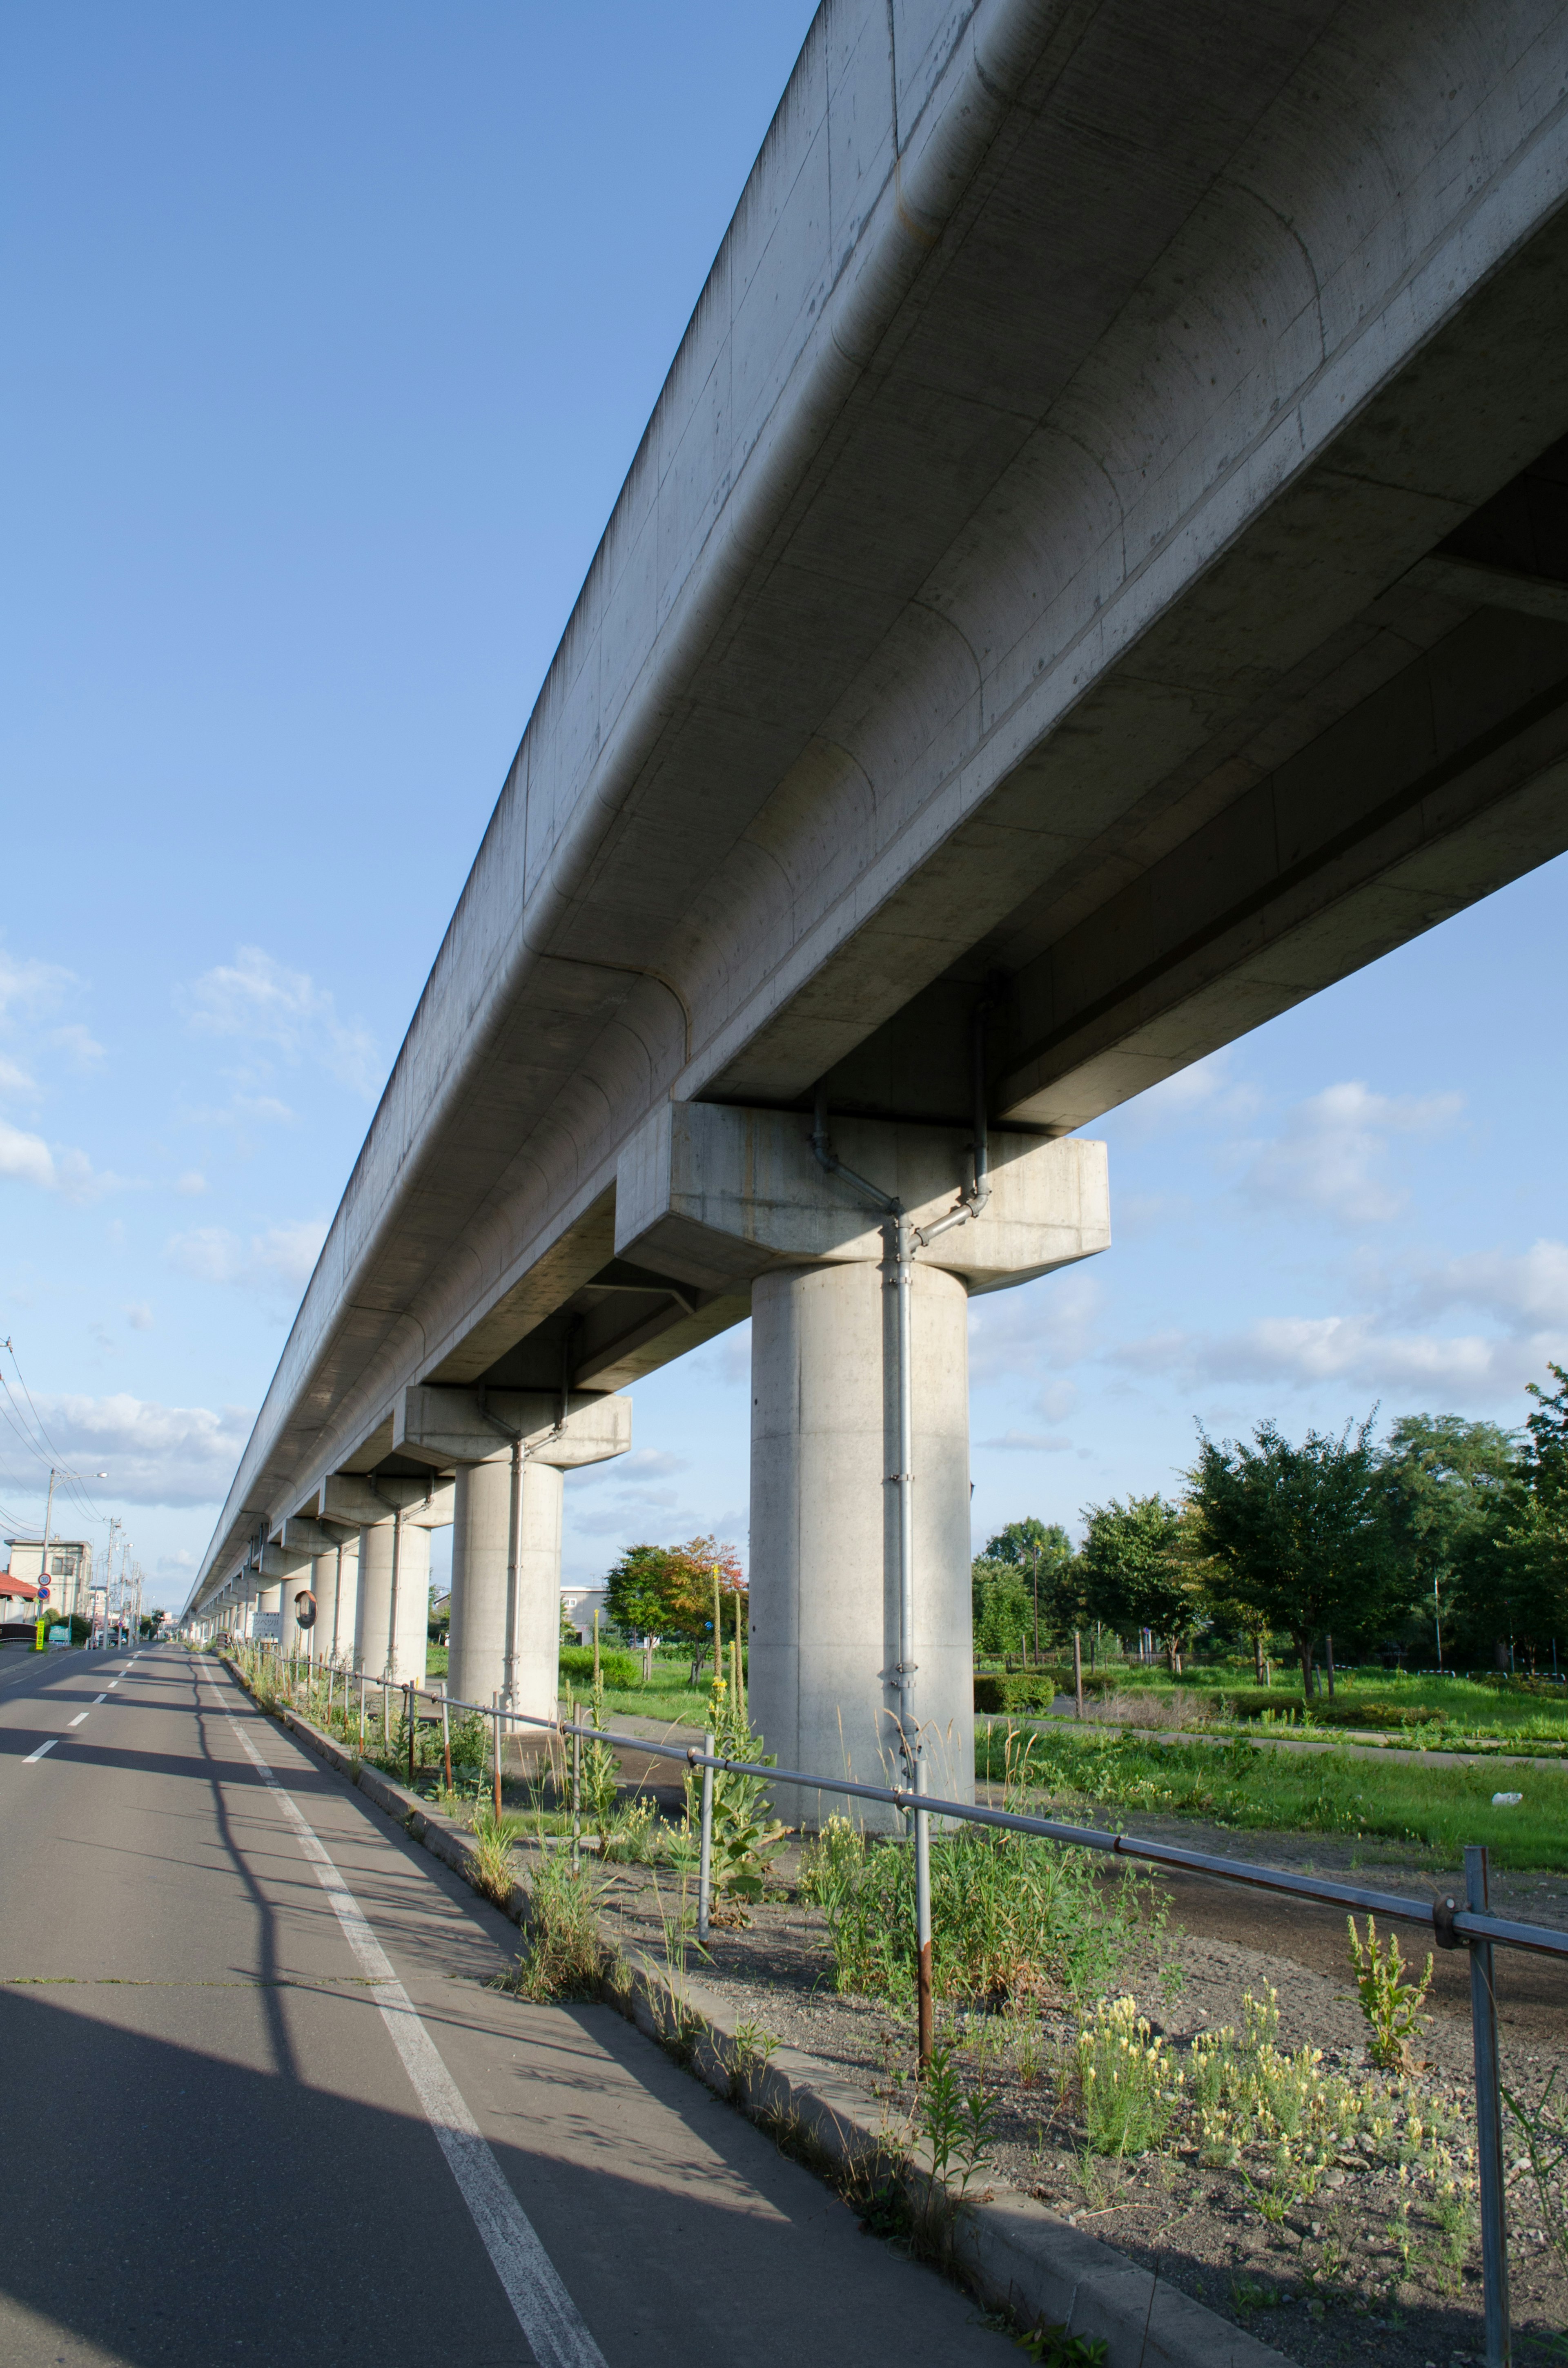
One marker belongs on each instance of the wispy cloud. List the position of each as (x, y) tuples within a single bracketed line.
[(282, 1255), (257, 999), (153, 1455), (1028, 1442), (28, 1159), (1333, 1153)]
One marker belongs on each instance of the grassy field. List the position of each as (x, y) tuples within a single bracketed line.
[(1435, 1808), (1382, 1700)]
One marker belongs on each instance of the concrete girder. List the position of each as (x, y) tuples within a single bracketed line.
[(446, 1427), (720, 1196), (346, 1497)]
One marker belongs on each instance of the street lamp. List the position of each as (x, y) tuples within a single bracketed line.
[(56, 1471)]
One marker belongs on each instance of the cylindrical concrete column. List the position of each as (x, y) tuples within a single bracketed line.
[(538, 1642), (290, 1636), (341, 1624), (482, 1515), (824, 1566), (481, 1520), (374, 1647), (332, 1582)]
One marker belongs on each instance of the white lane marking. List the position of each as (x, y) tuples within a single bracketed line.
[(545, 2311), (99, 1698), (112, 1683), (81, 1715), (39, 1752)]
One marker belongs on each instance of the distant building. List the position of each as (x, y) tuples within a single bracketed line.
[(70, 1570), (19, 1597), (579, 1604)]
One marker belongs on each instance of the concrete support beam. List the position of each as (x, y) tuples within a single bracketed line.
[(466, 1428), (720, 1196), (717, 1196)]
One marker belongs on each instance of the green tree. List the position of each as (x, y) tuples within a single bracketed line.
[(639, 1591), (1133, 1572), (1002, 1608), (1301, 1533), (1450, 1486), (1040, 1553), (668, 1591)]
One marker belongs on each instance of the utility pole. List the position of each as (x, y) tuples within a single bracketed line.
[(43, 1555)]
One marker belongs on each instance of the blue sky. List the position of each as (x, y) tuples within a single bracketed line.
[(333, 332)]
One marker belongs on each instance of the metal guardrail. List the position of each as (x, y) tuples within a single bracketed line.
[(1452, 1923)]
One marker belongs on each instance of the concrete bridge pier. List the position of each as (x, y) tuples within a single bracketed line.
[(462, 1429), (825, 1527), (336, 1591), (377, 1650), (717, 1196)]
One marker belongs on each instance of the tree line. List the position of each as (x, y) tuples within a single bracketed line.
[(1452, 1537)]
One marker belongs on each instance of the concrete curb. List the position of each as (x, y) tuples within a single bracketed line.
[(1013, 2253)]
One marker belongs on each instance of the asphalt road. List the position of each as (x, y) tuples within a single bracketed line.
[(257, 2103)]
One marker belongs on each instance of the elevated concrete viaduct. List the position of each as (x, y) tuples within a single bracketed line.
[(1096, 572)]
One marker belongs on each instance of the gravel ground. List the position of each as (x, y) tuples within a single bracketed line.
[(1333, 2280)]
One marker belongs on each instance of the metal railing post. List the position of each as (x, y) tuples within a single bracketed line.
[(361, 1708), (576, 1798), (496, 1713), (705, 1847), (1488, 2118), (924, 2014), (411, 1731), (446, 1737)]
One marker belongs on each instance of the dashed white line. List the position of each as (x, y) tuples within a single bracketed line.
[(81, 1715), (39, 1752), (99, 1698), (545, 2311)]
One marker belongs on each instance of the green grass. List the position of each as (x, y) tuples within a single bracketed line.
[(676, 1704), (1435, 1808), (1508, 1710)]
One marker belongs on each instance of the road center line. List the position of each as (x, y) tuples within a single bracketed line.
[(99, 1698), (81, 1715), (545, 2311), (39, 1752)]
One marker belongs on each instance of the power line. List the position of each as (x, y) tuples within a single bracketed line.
[(54, 1458)]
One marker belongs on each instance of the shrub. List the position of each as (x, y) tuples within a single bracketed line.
[(619, 1671), (1035, 1689), (1011, 1917), (562, 1955)]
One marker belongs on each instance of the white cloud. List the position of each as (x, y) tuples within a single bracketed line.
[(1521, 1292), (1040, 1328), (79, 1047), (15, 1080), (191, 1183), (153, 1454), (258, 999), (27, 1160), (1205, 1089), (1333, 1152), (26, 1156), (282, 1254), (139, 1315), (1358, 1351), (1028, 1442), (28, 988)]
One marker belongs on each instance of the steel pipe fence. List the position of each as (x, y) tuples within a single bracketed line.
[(1453, 1923)]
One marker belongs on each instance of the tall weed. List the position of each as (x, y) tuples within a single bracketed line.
[(1012, 1918)]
